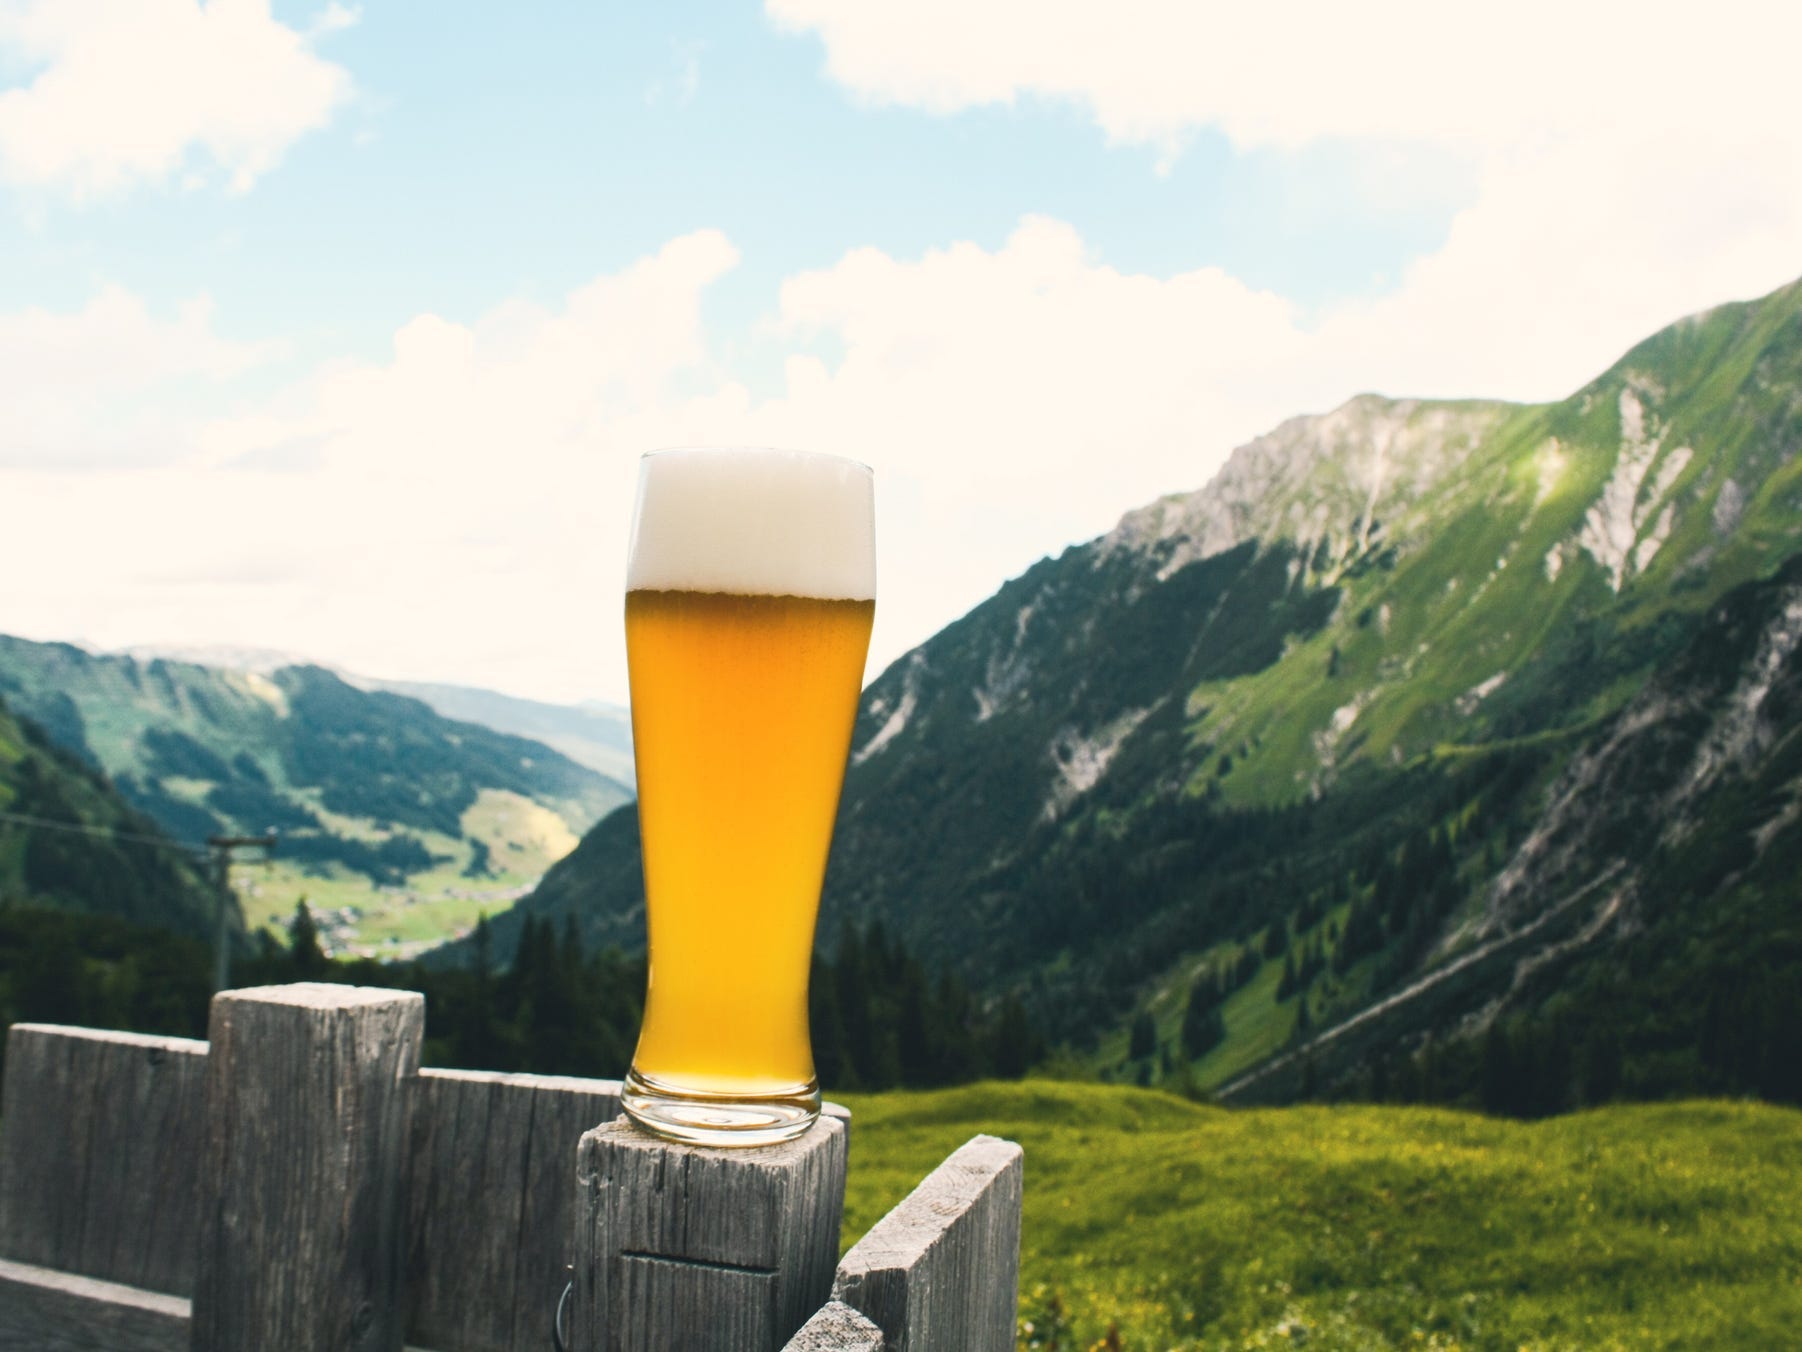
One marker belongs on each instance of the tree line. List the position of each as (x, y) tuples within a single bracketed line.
[(880, 1020)]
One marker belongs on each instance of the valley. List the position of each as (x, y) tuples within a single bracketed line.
[(398, 826), (512, 838), (1434, 750)]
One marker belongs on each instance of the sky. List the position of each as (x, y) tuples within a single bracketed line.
[(339, 329)]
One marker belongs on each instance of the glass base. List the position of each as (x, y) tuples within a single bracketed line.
[(719, 1119)]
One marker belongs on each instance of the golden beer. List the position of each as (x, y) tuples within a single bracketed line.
[(742, 707), (742, 710)]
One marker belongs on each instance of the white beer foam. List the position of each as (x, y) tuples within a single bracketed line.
[(754, 523)]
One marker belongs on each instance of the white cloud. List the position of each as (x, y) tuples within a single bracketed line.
[(459, 509), (335, 18), (1625, 162), (130, 91), (1286, 74), (105, 384), (1015, 399), (1568, 257)]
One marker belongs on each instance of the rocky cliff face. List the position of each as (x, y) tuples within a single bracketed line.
[(1333, 485)]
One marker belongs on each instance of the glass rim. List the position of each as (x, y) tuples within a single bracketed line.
[(768, 450)]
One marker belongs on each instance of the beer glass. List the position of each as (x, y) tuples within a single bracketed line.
[(750, 589)]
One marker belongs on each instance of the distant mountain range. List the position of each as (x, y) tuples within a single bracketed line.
[(591, 733), (1421, 718), (368, 789)]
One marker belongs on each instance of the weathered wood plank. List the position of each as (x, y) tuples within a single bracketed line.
[(100, 1162), (943, 1268), (45, 1311), (99, 1154), (309, 1088), (708, 1250), (490, 1203), (836, 1328)]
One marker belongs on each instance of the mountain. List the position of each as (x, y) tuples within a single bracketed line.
[(402, 823), (592, 733), (1288, 747), (69, 841)]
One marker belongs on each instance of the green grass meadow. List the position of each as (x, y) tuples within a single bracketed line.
[(1173, 1225), (522, 839)]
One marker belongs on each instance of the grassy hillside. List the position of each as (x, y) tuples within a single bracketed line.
[(1188, 1227), (68, 841), (399, 825)]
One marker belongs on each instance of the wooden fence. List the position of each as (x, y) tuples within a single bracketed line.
[(297, 1183)]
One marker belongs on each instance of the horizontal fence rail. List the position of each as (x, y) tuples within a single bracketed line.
[(296, 1182), (100, 1156), (50, 1311)]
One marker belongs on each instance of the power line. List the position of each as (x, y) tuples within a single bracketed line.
[(110, 833), (223, 848)]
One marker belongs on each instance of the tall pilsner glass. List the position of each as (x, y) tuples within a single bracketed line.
[(749, 595)]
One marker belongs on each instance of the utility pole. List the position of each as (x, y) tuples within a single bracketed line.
[(223, 848)]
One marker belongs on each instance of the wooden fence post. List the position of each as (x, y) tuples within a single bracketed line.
[(942, 1269), (706, 1250), (836, 1328), (308, 1089)]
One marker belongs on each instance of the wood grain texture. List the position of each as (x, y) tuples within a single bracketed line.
[(836, 1328), (45, 1311), (490, 1204), (99, 1153), (309, 1089), (705, 1250), (942, 1269)]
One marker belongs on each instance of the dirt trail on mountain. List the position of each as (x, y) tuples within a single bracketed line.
[(1439, 976)]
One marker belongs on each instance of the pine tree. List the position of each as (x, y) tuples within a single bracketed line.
[(482, 941), (1304, 1025), (1015, 1046), (1144, 1038), (1276, 939), (914, 1042), (304, 952), (1498, 1079), (1203, 1027), (831, 1056)]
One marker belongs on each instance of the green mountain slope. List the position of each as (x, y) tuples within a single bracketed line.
[(67, 840), (1295, 736), (1356, 1229), (1644, 937), (395, 821), (593, 734)]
